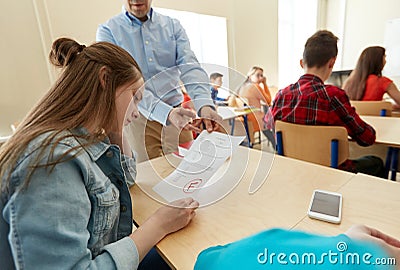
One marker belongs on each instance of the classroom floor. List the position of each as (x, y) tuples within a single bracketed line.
[(265, 145)]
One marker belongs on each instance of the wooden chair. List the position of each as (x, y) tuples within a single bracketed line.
[(375, 108), (324, 145)]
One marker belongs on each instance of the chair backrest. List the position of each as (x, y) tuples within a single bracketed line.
[(372, 107), (235, 101), (313, 143)]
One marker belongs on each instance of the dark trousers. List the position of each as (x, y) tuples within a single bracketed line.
[(153, 261), (371, 165)]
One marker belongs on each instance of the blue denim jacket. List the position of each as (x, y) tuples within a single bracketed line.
[(78, 216)]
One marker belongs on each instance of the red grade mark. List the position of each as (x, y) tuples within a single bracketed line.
[(191, 186)]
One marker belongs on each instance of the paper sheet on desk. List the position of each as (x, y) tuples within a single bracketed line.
[(226, 112), (206, 155)]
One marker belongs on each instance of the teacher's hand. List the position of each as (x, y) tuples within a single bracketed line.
[(182, 118), (210, 118)]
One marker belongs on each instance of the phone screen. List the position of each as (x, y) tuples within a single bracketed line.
[(327, 204)]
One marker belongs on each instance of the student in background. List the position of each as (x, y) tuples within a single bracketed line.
[(366, 81), (161, 47), (65, 173), (216, 82), (254, 91), (255, 88), (310, 102)]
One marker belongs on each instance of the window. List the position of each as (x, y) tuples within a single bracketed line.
[(297, 22), (208, 40)]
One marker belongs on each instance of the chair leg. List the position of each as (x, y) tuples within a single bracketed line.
[(246, 127), (232, 121), (334, 153), (279, 143)]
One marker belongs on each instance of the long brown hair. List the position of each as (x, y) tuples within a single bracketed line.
[(369, 62), (79, 98)]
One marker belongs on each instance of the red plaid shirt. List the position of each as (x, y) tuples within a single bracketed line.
[(310, 102)]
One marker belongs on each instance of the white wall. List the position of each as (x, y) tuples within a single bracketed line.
[(252, 30), (362, 24), (23, 70), (29, 27), (26, 74), (365, 23), (27, 31)]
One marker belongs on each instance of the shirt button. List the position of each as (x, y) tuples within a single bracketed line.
[(150, 59), (120, 183), (123, 208), (147, 42), (109, 154)]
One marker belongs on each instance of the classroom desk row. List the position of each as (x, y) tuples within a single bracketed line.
[(387, 129), (229, 114), (387, 133), (281, 201)]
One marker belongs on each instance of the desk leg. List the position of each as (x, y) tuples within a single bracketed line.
[(388, 162), (393, 166), (232, 122), (246, 127)]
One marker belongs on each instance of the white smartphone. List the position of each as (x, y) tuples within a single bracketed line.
[(326, 206)]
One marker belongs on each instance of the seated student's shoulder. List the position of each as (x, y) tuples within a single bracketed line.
[(334, 91)]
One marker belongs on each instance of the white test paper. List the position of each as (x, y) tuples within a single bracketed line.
[(206, 155)]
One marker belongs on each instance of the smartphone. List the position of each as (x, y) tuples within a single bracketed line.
[(326, 206)]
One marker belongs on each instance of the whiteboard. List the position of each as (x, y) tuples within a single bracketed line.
[(392, 45)]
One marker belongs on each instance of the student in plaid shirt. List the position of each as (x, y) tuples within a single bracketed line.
[(310, 102)]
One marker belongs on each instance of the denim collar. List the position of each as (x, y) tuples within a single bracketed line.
[(95, 150)]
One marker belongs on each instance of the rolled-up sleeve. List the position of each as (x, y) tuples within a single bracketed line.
[(124, 253)]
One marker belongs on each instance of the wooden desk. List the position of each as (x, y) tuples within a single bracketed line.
[(230, 113), (387, 129), (366, 200), (282, 201), (387, 133)]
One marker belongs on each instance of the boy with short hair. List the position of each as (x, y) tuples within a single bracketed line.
[(309, 101)]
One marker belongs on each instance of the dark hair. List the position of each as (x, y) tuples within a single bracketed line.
[(215, 75), (369, 62), (320, 48), (79, 98)]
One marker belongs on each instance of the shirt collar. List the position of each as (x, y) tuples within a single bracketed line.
[(135, 20), (311, 77)]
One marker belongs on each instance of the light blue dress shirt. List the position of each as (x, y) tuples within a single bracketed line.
[(161, 48), (76, 216)]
